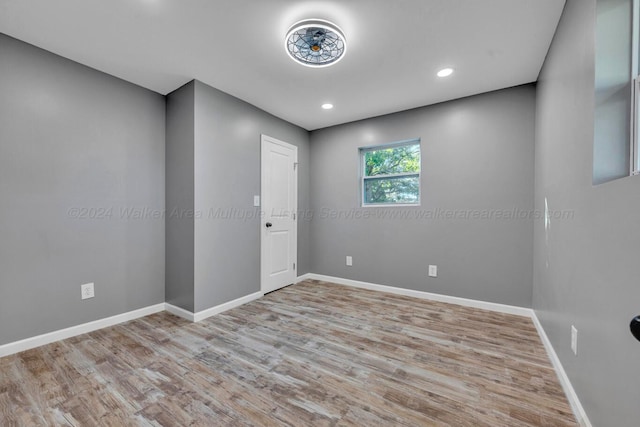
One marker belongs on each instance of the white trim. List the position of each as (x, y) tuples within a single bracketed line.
[(48, 338), (37, 341), (204, 314), (201, 315), (502, 308), (569, 391), (393, 175), (572, 397), (392, 205), (180, 312), (307, 276)]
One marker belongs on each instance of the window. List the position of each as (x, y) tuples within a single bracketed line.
[(391, 174), (635, 98), (616, 67)]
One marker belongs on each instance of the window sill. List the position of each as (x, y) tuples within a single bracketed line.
[(394, 205)]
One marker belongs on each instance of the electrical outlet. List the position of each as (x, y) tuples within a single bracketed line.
[(574, 340), (349, 261), (86, 291), (433, 271)]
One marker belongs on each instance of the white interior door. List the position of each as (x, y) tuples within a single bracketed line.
[(279, 196)]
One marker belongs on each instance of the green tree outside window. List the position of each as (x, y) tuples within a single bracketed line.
[(391, 174)]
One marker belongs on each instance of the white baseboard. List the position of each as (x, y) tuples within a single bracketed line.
[(180, 312), (37, 341), (502, 308), (574, 401), (201, 315), (305, 277)]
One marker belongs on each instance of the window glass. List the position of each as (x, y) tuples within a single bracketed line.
[(391, 174)]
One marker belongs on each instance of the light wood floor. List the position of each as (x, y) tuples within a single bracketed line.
[(312, 354)]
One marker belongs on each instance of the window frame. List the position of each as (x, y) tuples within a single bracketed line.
[(363, 178), (634, 146)]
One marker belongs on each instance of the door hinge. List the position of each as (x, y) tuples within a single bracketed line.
[(295, 165), (294, 217), (294, 265)]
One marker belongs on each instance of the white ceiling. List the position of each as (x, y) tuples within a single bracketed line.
[(395, 48)]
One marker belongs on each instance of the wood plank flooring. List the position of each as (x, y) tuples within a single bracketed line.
[(312, 354)]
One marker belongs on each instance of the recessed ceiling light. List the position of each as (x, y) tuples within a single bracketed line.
[(445, 72), (315, 43), (327, 106)]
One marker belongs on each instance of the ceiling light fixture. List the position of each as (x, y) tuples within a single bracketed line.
[(315, 43), (445, 72), (327, 106)]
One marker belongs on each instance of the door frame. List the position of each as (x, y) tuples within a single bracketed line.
[(265, 139)]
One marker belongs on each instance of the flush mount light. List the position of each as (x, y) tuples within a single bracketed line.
[(327, 106), (445, 72), (315, 43)]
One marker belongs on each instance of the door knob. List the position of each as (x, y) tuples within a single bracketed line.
[(268, 225), (635, 327)]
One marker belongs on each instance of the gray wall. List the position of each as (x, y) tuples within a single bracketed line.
[(613, 90), (227, 176), (477, 159), (72, 138), (76, 142), (179, 222), (586, 270)]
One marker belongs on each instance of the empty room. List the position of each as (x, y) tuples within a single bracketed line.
[(319, 213)]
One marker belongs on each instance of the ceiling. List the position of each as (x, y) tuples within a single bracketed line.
[(395, 48)]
